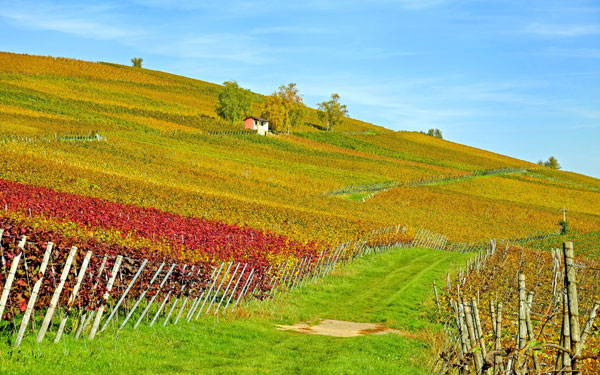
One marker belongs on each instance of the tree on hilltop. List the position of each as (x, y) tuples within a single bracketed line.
[(437, 133), (234, 102), (332, 111), (136, 62), (284, 108), (551, 163)]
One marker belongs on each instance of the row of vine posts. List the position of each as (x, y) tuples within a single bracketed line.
[(477, 348), (86, 294)]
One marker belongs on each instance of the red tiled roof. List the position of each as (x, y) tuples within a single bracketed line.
[(256, 118)]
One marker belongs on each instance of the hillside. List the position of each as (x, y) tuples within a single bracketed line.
[(156, 150)]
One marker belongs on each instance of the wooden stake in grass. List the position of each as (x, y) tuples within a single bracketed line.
[(9, 280), (34, 295), (522, 337), (498, 362), (477, 359), (571, 286), (116, 308), (74, 294), (587, 329), (56, 295), (530, 334), (478, 328), (437, 301), (109, 286)]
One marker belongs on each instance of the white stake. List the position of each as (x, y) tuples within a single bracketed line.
[(56, 295)]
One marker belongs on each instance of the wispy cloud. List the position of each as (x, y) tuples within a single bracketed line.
[(89, 22), (241, 7), (219, 46), (554, 30), (290, 30), (585, 53), (419, 4), (587, 113)]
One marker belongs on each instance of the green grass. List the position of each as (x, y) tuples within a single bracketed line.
[(586, 244), (349, 142), (393, 289), (357, 197)]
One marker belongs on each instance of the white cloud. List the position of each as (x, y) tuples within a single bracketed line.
[(562, 30), (89, 22), (419, 4), (290, 30), (219, 46), (587, 113), (254, 7), (585, 53)]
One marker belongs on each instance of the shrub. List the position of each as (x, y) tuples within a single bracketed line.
[(564, 227)]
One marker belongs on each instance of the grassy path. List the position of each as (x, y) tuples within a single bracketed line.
[(393, 289), (363, 191)]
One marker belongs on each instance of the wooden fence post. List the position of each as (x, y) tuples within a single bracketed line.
[(109, 287), (530, 334), (573, 306), (56, 295), (522, 336), (116, 308), (464, 335), (478, 328), (437, 301), (34, 295), (8, 284), (563, 360), (478, 361), (71, 300), (587, 330), (498, 362)]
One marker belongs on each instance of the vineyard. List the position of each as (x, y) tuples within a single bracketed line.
[(515, 310), (163, 147), (127, 203), (41, 277)]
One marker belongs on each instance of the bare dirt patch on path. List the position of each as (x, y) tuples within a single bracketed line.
[(340, 328)]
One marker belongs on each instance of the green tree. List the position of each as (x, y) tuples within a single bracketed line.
[(332, 112), (234, 102), (552, 163), (564, 227), (137, 62), (275, 112), (284, 108), (435, 133)]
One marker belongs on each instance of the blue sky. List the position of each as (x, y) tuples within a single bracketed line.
[(520, 78)]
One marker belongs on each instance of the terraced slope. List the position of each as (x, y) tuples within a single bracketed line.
[(155, 150)]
